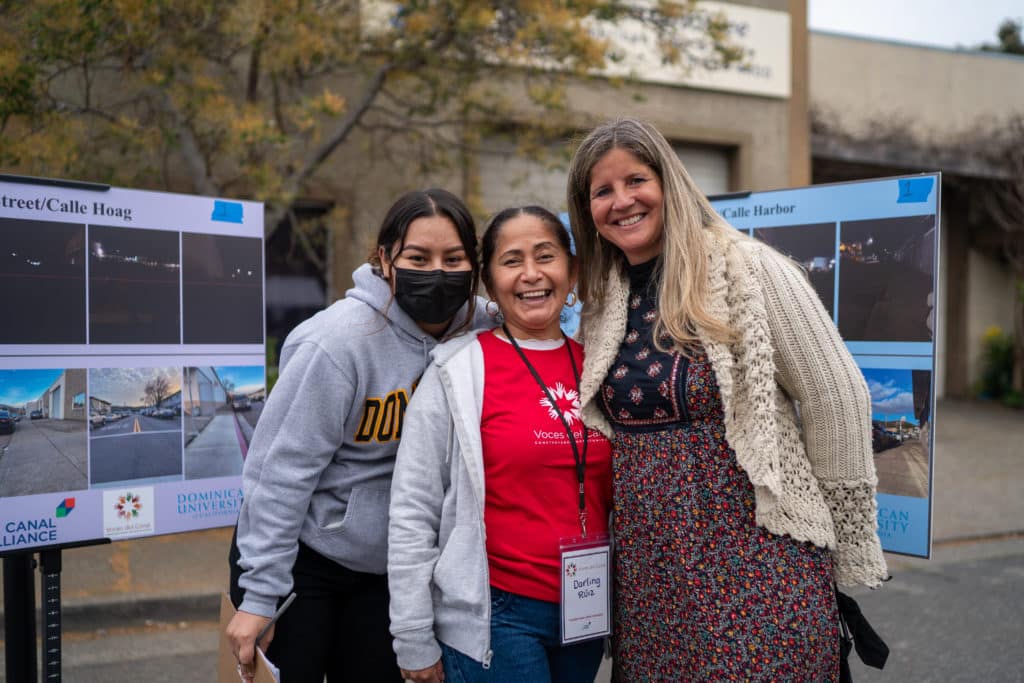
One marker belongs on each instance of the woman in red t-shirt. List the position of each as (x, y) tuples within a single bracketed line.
[(487, 485)]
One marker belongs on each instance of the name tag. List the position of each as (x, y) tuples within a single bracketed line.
[(586, 589)]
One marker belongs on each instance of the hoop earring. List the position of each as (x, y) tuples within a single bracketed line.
[(493, 313), (571, 300)]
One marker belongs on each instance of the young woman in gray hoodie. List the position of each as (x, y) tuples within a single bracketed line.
[(318, 474)]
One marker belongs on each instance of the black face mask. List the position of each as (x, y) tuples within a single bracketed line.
[(431, 296)]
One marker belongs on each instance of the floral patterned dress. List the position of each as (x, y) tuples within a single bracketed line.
[(701, 592)]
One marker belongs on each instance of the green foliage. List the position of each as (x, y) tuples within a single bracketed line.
[(996, 380), (249, 98), (1009, 35), (271, 363)]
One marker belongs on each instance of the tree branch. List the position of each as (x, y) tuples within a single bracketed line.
[(342, 131), (190, 150)]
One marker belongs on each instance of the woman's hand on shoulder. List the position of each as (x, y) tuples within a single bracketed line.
[(432, 674), (241, 632)]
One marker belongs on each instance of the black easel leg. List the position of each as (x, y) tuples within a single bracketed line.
[(20, 618), (49, 566)]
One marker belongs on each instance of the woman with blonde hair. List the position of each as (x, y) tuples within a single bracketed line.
[(744, 484)]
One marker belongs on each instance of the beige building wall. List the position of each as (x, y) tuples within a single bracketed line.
[(751, 135), (864, 89), (863, 82)]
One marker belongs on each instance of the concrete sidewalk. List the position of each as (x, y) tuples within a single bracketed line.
[(978, 479)]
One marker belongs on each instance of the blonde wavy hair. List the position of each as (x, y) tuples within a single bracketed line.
[(688, 218)]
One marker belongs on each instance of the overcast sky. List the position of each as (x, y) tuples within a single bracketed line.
[(942, 23)]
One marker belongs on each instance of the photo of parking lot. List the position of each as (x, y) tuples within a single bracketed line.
[(900, 429), (814, 248), (134, 425), (42, 277), (134, 286), (885, 279), (42, 431), (222, 289), (221, 406)]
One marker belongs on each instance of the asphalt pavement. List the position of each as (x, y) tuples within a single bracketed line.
[(146, 609), (133, 448)]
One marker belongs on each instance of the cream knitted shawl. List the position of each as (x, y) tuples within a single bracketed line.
[(813, 472)]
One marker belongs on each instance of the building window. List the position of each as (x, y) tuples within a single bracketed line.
[(78, 401)]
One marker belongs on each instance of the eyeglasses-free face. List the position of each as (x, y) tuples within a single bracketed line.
[(531, 277), (626, 204)]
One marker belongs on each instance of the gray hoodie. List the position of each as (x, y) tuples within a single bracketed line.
[(437, 555), (320, 463)]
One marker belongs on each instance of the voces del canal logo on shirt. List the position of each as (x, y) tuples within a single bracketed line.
[(566, 401)]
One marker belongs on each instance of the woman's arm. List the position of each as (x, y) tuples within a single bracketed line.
[(417, 496), (815, 368), (301, 427)]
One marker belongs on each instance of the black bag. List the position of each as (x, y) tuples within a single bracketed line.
[(856, 632)]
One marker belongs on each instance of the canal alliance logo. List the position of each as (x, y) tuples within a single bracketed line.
[(128, 512), (64, 508)]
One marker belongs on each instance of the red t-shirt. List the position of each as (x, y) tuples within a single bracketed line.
[(532, 499)]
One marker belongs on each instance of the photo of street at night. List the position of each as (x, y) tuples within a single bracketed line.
[(42, 431), (814, 248), (133, 286), (900, 429), (134, 425), (42, 282), (222, 285), (885, 279), (221, 406)]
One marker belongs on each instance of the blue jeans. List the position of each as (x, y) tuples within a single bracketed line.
[(526, 642)]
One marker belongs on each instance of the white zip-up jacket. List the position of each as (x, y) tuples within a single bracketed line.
[(437, 554)]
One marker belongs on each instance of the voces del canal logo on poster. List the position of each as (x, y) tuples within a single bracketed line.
[(128, 512)]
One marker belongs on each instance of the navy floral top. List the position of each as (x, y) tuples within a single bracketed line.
[(645, 389)]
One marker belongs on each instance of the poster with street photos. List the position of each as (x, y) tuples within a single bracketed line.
[(131, 360), (870, 252)]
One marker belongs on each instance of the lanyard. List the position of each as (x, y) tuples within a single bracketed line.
[(579, 458)]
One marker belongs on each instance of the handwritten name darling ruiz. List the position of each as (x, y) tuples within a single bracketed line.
[(71, 206)]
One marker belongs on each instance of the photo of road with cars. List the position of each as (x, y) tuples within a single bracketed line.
[(813, 247), (900, 429), (221, 407), (886, 290), (134, 426)]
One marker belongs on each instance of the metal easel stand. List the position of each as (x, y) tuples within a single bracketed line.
[(20, 617), (49, 567)]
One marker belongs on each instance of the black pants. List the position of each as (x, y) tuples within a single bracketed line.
[(337, 626)]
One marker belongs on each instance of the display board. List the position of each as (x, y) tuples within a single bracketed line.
[(131, 360), (870, 250)]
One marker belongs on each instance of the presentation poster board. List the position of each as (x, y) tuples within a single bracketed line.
[(870, 249), (131, 360)]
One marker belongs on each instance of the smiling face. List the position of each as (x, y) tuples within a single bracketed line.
[(627, 205), (530, 276)]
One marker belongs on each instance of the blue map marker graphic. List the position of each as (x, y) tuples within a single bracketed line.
[(226, 212), (914, 190)]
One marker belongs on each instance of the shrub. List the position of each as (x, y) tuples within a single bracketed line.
[(996, 380)]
